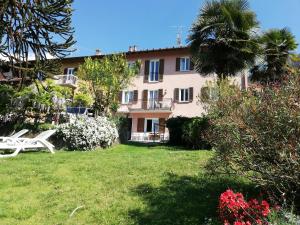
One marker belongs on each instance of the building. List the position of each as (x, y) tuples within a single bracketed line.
[(6, 77), (167, 86)]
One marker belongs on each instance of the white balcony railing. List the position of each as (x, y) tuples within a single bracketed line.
[(149, 137), (152, 105), (67, 80)]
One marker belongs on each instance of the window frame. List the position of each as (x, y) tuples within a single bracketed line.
[(152, 102), (186, 94), (212, 92), (156, 73), (153, 122), (187, 66), (70, 71), (124, 97)]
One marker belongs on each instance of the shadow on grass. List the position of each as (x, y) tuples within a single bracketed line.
[(165, 146), (183, 200), (143, 144)]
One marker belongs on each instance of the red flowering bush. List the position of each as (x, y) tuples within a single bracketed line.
[(235, 210)]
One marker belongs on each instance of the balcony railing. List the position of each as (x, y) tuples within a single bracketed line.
[(149, 137), (67, 80), (151, 105)]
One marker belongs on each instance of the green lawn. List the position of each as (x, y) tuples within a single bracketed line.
[(122, 185)]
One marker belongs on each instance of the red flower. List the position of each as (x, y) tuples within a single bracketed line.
[(234, 210)]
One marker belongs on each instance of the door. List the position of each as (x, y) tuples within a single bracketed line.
[(153, 99), (152, 125)]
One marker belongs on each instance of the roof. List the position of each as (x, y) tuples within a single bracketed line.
[(154, 50)]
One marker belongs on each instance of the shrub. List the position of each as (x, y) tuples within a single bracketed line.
[(124, 126), (283, 217), (256, 134), (6, 96), (83, 100), (85, 133), (175, 126), (235, 210), (194, 131), (15, 126), (188, 132)]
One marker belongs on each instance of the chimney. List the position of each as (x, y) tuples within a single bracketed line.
[(132, 48), (98, 52)]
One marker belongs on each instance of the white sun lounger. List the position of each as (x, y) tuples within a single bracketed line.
[(16, 135), (22, 144)]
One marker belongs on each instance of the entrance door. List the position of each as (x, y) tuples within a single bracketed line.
[(153, 98), (152, 125)]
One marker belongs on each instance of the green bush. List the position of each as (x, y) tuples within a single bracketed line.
[(194, 131), (123, 125), (6, 96), (256, 135), (283, 217), (175, 126), (188, 132), (83, 100), (34, 128)]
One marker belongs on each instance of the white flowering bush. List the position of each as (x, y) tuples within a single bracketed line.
[(86, 133)]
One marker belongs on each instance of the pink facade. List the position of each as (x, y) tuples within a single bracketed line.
[(172, 87)]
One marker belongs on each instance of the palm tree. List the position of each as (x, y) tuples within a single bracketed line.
[(222, 39), (277, 45)]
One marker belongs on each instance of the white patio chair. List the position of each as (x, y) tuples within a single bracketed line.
[(22, 144), (15, 135)]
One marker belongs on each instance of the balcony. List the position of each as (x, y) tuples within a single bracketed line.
[(67, 80), (151, 105), (149, 137)]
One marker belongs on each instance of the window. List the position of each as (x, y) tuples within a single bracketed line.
[(153, 99), (152, 125), (184, 95), (153, 70), (70, 71), (209, 93), (185, 64), (127, 97)]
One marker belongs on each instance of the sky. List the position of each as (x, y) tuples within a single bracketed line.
[(114, 25)]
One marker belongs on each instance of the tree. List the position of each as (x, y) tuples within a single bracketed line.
[(107, 77), (255, 134), (38, 28), (83, 96), (6, 97), (222, 39), (276, 45), (35, 101), (39, 98)]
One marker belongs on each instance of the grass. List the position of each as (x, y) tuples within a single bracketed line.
[(123, 185)]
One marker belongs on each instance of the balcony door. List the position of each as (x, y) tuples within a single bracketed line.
[(153, 99), (152, 125)]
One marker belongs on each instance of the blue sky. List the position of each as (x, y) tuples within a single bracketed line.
[(115, 24)]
